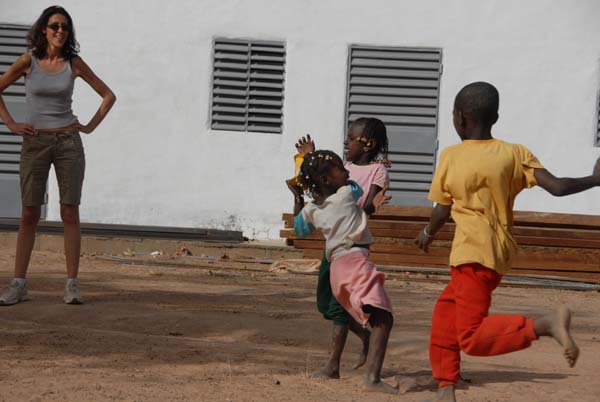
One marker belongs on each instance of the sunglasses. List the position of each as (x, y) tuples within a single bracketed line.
[(55, 27)]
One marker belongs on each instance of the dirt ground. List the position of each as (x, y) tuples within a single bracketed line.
[(215, 333)]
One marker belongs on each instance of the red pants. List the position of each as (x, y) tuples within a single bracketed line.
[(461, 322)]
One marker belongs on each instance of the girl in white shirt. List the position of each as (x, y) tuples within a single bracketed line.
[(355, 282)]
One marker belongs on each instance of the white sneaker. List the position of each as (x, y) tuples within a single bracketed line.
[(72, 294), (13, 294)]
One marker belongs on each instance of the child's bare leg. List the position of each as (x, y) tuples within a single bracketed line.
[(444, 394), (364, 334), (331, 370), (558, 326), (381, 324)]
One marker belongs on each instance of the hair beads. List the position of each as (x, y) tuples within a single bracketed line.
[(315, 165), (373, 137)]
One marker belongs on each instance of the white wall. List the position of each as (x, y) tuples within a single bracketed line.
[(155, 160)]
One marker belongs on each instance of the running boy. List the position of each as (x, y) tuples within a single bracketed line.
[(476, 182)]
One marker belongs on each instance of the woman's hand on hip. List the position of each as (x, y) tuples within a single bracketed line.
[(21, 128), (86, 129)]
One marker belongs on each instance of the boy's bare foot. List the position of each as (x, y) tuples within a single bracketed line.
[(558, 326), (327, 373), (561, 331), (444, 394), (379, 386)]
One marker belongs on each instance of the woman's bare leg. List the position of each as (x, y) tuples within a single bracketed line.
[(70, 218), (30, 217)]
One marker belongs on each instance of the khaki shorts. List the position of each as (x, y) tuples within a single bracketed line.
[(65, 151)]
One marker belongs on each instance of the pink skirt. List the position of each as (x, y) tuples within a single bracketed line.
[(356, 283)]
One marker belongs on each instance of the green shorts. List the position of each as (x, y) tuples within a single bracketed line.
[(63, 150), (326, 301)]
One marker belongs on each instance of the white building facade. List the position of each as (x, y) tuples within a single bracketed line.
[(159, 160)]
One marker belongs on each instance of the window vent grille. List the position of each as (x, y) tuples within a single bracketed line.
[(248, 86), (12, 45)]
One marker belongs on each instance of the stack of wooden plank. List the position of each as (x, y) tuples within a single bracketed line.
[(550, 245)]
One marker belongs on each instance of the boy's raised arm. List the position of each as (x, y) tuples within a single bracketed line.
[(561, 186)]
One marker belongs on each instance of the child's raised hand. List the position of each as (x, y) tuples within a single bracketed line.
[(305, 145), (381, 199)]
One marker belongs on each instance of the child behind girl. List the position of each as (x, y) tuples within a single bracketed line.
[(355, 282), (366, 147)]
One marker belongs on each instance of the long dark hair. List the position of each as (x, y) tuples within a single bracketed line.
[(36, 39)]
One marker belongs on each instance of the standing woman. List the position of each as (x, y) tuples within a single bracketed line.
[(51, 137)]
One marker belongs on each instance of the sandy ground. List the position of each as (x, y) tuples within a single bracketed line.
[(152, 333)]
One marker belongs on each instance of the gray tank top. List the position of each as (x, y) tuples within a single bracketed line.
[(49, 96)]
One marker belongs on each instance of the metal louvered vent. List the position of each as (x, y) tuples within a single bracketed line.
[(400, 86), (12, 45), (248, 84)]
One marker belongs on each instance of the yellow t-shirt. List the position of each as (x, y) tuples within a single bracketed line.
[(480, 179)]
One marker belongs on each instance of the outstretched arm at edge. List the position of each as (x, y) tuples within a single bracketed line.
[(561, 186)]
